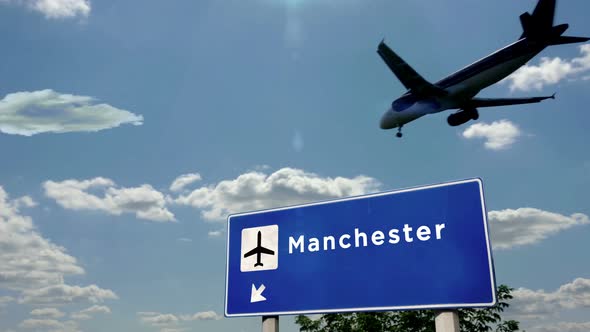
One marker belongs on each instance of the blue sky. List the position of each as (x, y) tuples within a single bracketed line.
[(130, 129)]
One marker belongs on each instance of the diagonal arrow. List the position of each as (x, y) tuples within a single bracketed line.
[(256, 295)]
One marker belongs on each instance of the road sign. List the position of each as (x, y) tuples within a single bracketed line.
[(417, 248)]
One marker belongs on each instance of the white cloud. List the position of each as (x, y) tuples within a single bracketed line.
[(47, 312), (147, 313), (40, 323), (56, 9), (34, 269), (158, 319), (170, 322), (184, 180), (563, 327), (550, 71), (204, 315), (531, 304), (50, 325), (87, 313), (513, 228), (61, 8), (216, 233), (47, 111), (28, 260), (184, 239), (80, 316), (66, 294), (146, 202), (256, 190), (97, 309), (25, 201), (498, 135)]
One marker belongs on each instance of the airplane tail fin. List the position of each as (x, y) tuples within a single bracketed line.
[(540, 22), (526, 22), (539, 27)]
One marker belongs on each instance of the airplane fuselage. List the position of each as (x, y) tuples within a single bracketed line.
[(459, 90), (462, 85)]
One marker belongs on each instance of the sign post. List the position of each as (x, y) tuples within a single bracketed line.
[(270, 323), (446, 321), (419, 248)]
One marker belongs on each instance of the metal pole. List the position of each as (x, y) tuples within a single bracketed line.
[(270, 323), (447, 321)]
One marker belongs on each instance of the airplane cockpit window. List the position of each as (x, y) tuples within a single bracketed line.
[(403, 103)]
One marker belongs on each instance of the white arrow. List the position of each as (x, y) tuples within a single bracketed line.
[(256, 295)]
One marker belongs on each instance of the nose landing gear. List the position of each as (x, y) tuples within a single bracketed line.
[(399, 132)]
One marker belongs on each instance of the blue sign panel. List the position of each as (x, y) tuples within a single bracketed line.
[(418, 248)]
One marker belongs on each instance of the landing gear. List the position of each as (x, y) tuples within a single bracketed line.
[(399, 132)]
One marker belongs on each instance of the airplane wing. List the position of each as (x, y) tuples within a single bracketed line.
[(251, 252), (491, 102), (259, 250), (406, 74), (266, 251)]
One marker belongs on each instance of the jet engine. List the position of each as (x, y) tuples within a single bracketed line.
[(459, 118)]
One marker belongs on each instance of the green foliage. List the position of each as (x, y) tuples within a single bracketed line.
[(470, 320)]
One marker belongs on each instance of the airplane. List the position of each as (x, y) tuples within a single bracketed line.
[(458, 90), (259, 250)]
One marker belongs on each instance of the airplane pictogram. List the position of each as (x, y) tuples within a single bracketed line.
[(259, 250)]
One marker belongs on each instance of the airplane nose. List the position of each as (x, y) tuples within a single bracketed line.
[(383, 121), (387, 120)]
